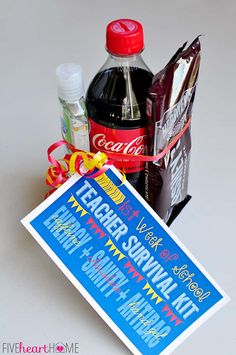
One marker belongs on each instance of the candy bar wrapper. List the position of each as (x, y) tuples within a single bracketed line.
[(169, 107)]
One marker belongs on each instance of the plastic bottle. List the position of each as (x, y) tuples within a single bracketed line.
[(116, 99), (74, 121)]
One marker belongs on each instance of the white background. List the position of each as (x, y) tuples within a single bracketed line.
[(38, 304)]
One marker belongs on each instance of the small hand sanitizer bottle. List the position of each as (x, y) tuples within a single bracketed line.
[(74, 119)]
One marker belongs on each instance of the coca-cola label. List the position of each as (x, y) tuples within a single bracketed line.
[(126, 141)]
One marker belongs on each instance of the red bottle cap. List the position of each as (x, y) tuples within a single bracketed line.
[(124, 37)]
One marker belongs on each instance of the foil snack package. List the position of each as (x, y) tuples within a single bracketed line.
[(169, 106)]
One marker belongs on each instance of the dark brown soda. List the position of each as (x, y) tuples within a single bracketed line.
[(106, 102)]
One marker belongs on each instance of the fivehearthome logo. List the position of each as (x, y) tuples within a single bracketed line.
[(50, 348)]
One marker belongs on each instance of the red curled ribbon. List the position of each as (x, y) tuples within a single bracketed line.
[(91, 164)]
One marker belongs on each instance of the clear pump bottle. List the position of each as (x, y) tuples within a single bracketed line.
[(74, 119)]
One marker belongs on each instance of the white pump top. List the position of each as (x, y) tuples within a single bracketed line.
[(70, 84)]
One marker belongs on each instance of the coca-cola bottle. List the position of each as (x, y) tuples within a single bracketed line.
[(116, 99)]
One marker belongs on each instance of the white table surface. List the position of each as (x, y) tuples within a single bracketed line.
[(38, 304)]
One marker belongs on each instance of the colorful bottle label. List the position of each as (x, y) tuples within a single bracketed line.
[(126, 141), (65, 126)]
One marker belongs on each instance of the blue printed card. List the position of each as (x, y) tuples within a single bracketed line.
[(125, 261)]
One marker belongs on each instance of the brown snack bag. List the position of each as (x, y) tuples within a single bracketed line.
[(169, 106)]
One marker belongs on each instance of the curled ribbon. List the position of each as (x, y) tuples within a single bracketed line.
[(91, 164), (82, 162)]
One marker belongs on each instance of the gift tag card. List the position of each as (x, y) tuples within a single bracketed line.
[(125, 261)]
